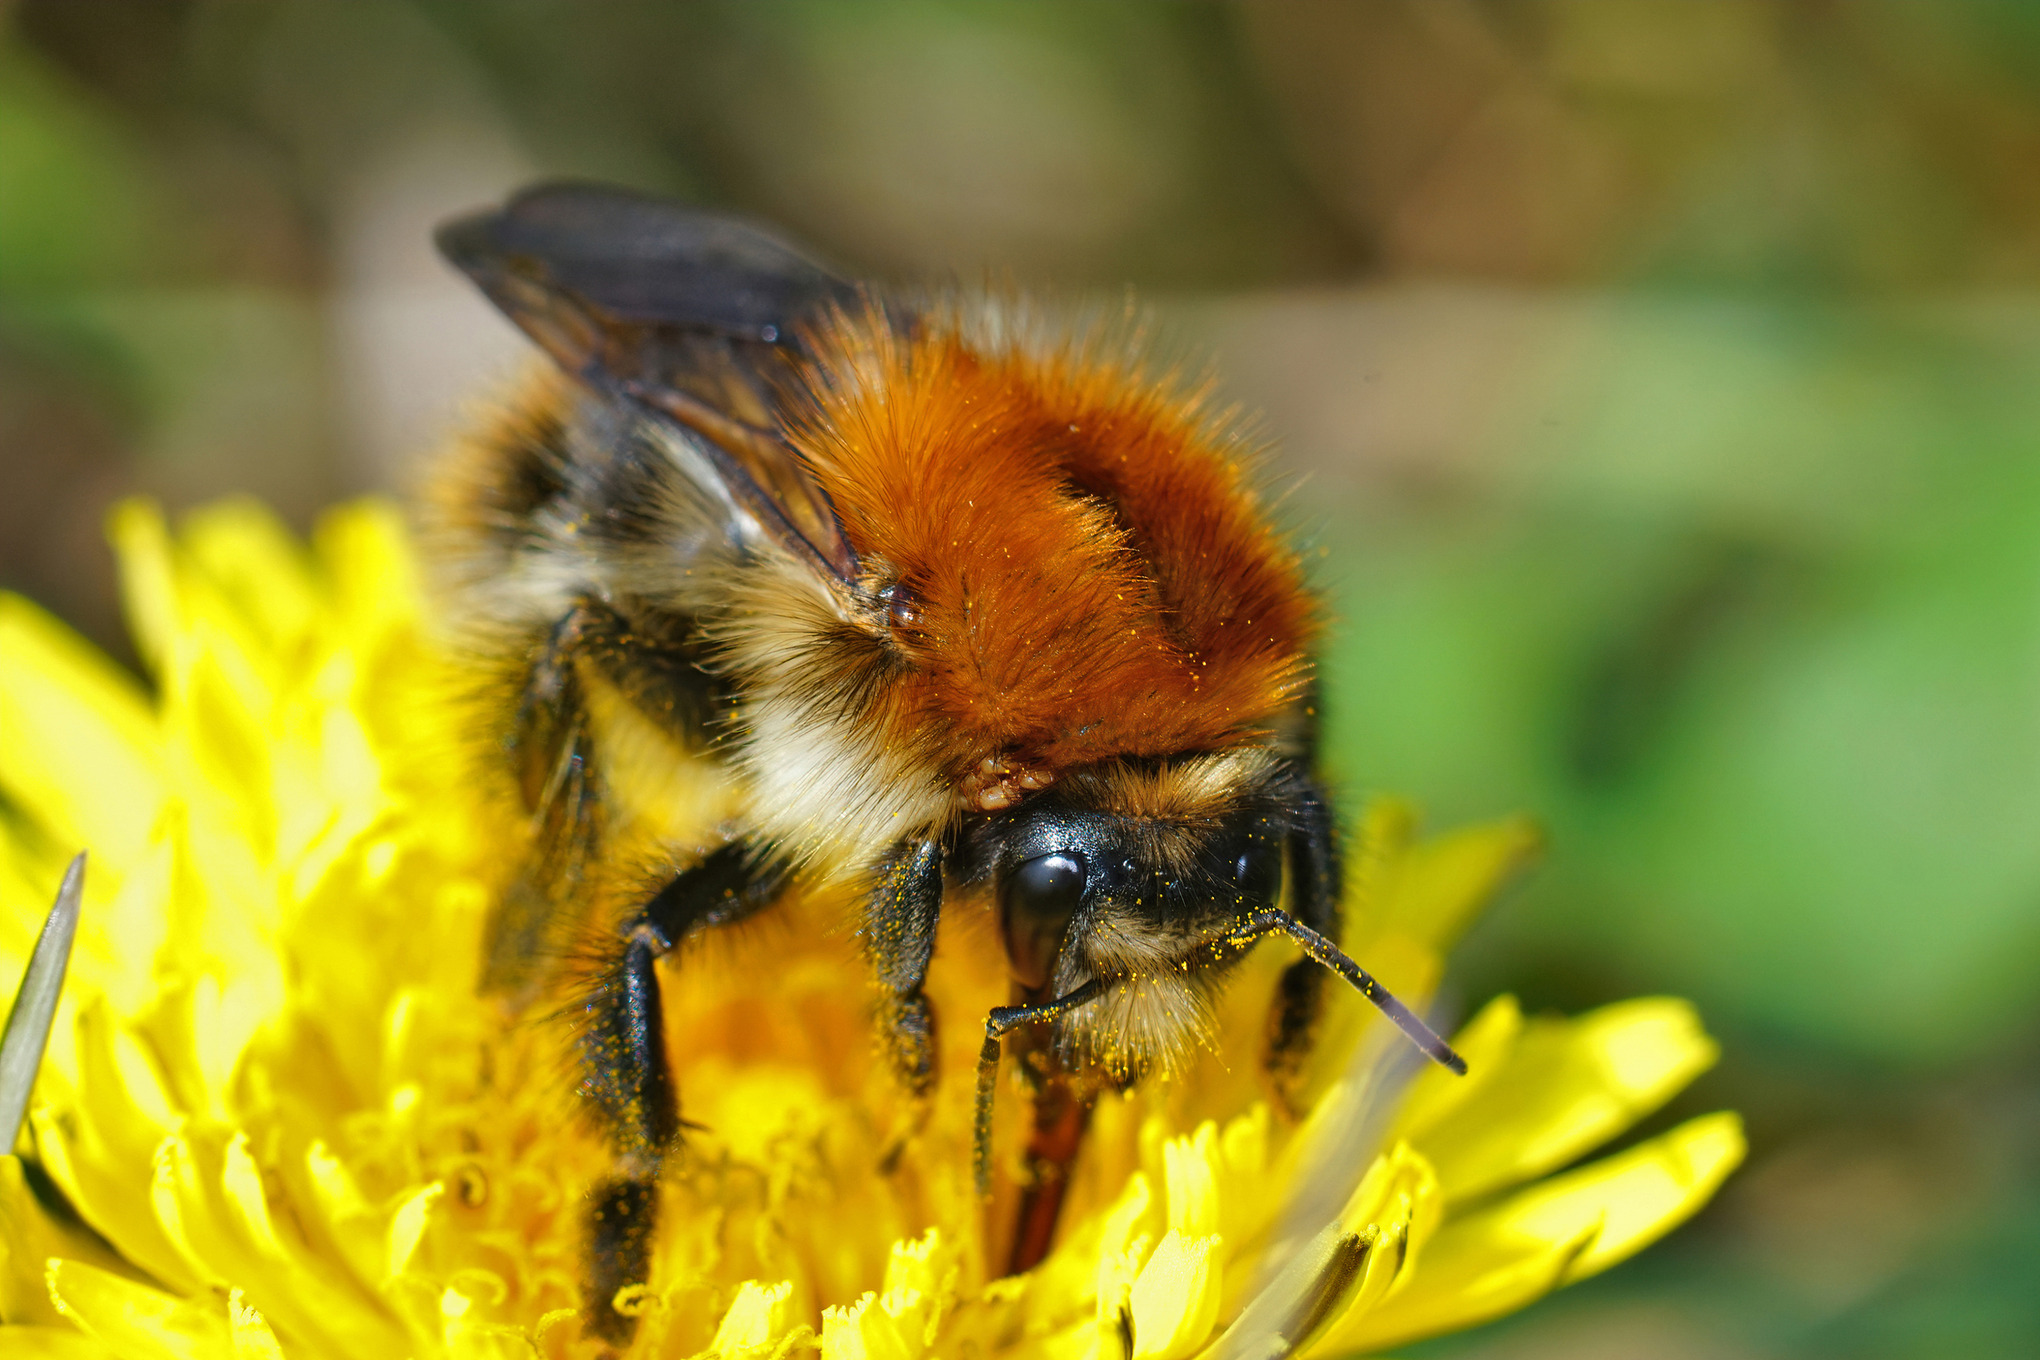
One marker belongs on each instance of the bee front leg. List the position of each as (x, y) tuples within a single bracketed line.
[(626, 1077), (899, 936), (1313, 900)]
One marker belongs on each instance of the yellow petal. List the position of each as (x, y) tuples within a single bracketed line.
[(1353, 1262), (177, 1193), (1244, 1172), (217, 745), (920, 1284), (1485, 1042), (1122, 1249), (78, 741), (29, 1236), (1122, 1223), (1094, 1265), (148, 580), (1191, 1170), (352, 1223), (407, 1228), (1174, 1301), (1381, 842), (369, 567), (1464, 1281), (466, 1336), (1636, 1196), (863, 1331), (181, 610), (1398, 1200), (1556, 1232), (924, 1265), (1446, 879), (256, 565), (252, 1338), (247, 1203), (52, 1343), (305, 1295), (756, 1318), (135, 1320), (489, 1343), (102, 1161), (1567, 1087), (1317, 1281), (1426, 891)]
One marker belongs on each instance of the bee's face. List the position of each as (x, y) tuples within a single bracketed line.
[(1102, 877)]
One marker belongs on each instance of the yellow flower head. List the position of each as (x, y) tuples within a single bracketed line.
[(276, 1120)]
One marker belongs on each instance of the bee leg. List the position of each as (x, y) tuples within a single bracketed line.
[(625, 1075), (899, 936), (548, 746), (1314, 900), (655, 660)]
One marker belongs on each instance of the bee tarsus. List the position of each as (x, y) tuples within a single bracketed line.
[(622, 1217)]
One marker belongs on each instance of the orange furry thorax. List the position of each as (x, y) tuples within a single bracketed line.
[(1085, 570)]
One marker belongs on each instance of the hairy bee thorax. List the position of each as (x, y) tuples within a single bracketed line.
[(1072, 567)]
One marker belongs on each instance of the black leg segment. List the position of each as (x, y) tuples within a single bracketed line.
[(899, 937), (626, 1077), (622, 1213)]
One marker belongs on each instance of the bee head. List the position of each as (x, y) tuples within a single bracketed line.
[(1132, 869)]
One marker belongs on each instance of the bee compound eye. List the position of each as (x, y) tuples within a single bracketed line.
[(1050, 884), (1257, 869), (1036, 900)]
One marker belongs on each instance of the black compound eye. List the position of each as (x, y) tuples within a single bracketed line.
[(1048, 885), (1257, 869), (1036, 901)]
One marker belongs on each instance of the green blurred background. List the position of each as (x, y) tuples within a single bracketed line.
[(1657, 380)]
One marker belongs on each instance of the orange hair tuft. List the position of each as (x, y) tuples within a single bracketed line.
[(1090, 573)]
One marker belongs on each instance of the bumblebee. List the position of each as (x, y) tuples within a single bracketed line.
[(930, 602)]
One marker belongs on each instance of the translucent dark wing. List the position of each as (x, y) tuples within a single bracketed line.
[(688, 313)]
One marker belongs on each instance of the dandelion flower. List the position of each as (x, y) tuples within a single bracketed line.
[(276, 1120)]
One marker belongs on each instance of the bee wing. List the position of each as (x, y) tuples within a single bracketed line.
[(689, 314)]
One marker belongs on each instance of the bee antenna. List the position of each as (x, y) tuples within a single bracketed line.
[(1002, 1021), (1270, 921)]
